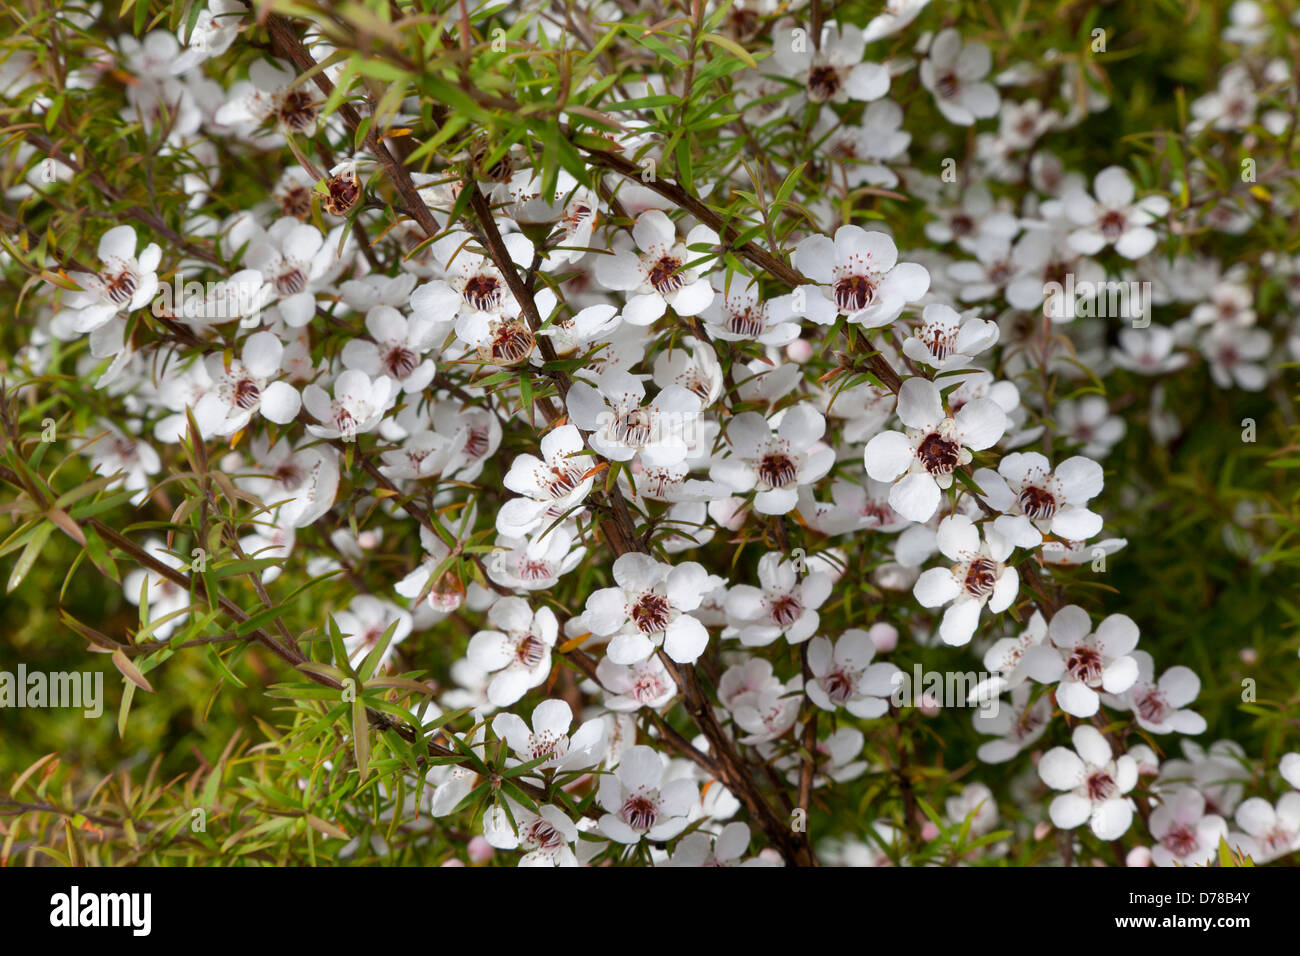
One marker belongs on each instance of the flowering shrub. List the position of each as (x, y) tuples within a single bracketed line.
[(684, 433)]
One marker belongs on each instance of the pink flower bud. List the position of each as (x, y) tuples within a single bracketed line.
[(884, 636)]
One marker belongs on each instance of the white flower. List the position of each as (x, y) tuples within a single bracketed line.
[(553, 484), (954, 72), (421, 455), (397, 349), (1083, 660), (700, 849), (1088, 420), (1234, 356), (1187, 835), (842, 675), (975, 803), (1096, 783), (861, 149), (301, 482), (833, 73), (1003, 660), (857, 274), (167, 600), (783, 605), (213, 32), (627, 687), (921, 461), (1231, 106), (293, 258), (896, 15), (657, 275), (117, 451), (1016, 726), (1219, 772), (776, 464), (517, 652), (694, 366), (649, 607), (535, 562), (1272, 832), (767, 713), (549, 737), (357, 407), (1035, 499), (1157, 706), (978, 577), (547, 836), (1148, 351), (621, 426), (365, 621), (474, 285), (945, 341), (1289, 767), (978, 216), (125, 282), (1113, 218), (243, 387), (272, 90), (639, 802)]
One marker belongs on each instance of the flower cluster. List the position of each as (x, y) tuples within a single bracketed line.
[(641, 488)]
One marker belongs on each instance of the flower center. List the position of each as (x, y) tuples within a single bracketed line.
[(534, 570), (647, 688), (650, 614), (344, 191), (749, 323), (577, 214), (640, 812), (543, 836), (693, 380), (401, 361), (246, 393), (290, 282), (785, 610), (563, 480), (1100, 785), (839, 685), (778, 470), (947, 85), (1152, 706), (981, 576), (512, 343), (1179, 841), (477, 442), (289, 475), (962, 225), (121, 286), (297, 110), (1084, 664), (296, 202), (940, 340), (633, 427), (938, 454), (483, 292), (823, 83), (530, 651), (1112, 225), (854, 293), (1037, 503), (665, 276)]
